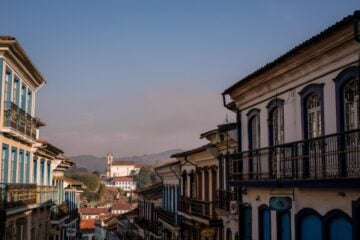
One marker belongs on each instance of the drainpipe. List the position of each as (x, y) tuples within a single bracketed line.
[(239, 149)]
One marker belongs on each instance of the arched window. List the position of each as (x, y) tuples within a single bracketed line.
[(351, 105), (254, 129), (276, 121), (308, 225), (337, 226), (312, 110), (314, 120)]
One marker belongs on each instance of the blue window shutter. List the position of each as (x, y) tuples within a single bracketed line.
[(29, 105), (23, 97), (9, 73), (27, 169), (1, 70), (42, 169), (14, 162), (21, 167), (5, 158), (35, 170), (48, 173), (17, 82)]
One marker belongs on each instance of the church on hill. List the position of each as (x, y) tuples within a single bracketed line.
[(119, 168)]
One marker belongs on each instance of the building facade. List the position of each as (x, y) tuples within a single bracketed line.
[(119, 168), (297, 165), (168, 211)]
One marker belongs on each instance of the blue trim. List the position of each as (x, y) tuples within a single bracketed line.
[(264, 211), (252, 114), (279, 224), (29, 105), (42, 171), (21, 167), (300, 216), (14, 163), (9, 72), (17, 82), (27, 167), (35, 160), (305, 93), (48, 173), (340, 81), (331, 215), (23, 97), (5, 158)]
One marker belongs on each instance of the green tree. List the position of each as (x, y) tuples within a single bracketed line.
[(144, 178), (90, 180)]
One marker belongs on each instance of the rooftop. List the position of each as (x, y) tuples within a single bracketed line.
[(123, 179), (93, 211), (121, 205), (122, 163), (87, 224), (291, 52)]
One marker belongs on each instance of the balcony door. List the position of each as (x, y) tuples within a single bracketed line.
[(254, 143)]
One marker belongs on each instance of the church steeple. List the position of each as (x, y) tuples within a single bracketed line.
[(109, 163)]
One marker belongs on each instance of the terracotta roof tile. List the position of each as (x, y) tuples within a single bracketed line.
[(122, 163), (93, 211), (122, 179), (87, 224), (121, 205)]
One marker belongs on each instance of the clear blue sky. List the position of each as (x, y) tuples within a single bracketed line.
[(137, 77)]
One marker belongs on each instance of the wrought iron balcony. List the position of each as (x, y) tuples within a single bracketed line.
[(223, 199), (169, 217), (335, 156), (59, 212), (196, 207), (17, 119), (15, 195), (148, 226)]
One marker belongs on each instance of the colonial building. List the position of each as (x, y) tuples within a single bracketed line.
[(147, 224), (125, 183), (120, 207), (298, 166), (168, 211), (119, 168), (27, 184)]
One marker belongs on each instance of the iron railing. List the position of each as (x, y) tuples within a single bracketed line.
[(223, 199), (18, 119), (59, 212), (196, 207), (167, 216), (15, 194), (327, 157)]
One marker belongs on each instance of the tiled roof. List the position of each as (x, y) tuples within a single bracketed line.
[(7, 38), (167, 165), (291, 52), (93, 211), (122, 163), (123, 179), (121, 205), (87, 224), (192, 151), (151, 192)]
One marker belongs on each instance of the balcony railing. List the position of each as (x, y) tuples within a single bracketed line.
[(196, 207), (17, 119), (169, 217), (329, 157), (14, 195), (225, 197), (148, 226), (59, 212)]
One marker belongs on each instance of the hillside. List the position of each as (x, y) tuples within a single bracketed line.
[(93, 163)]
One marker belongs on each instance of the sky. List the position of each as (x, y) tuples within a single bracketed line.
[(145, 76)]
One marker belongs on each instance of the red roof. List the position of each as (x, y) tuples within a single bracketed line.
[(122, 163), (87, 224), (123, 179), (121, 205), (93, 211)]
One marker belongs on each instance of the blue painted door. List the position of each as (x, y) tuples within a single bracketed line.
[(284, 226), (265, 233), (5, 163), (340, 229), (247, 224), (311, 228), (21, 166), (14, 164)]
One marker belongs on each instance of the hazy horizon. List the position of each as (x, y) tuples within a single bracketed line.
[(135, 77)]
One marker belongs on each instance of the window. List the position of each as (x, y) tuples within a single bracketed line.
[(27, 167), (351, 105), (314, 116), (35, 170), (5, 164), (29, 102), (312, 110), (276, 121), (15, 92), (21, 166), (7, 87), (23, 97), (13, 165), (255, 133), (42, 171)]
